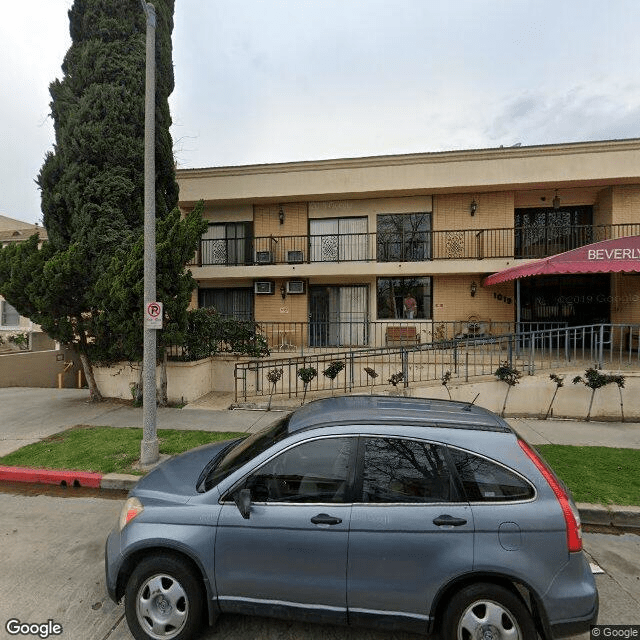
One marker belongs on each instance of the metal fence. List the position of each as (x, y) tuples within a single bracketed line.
[(463, 359), (313, 337)]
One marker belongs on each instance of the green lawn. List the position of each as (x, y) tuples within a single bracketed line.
[(599, 475), (104, 449)]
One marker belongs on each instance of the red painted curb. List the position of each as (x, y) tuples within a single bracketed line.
[(51, 476)]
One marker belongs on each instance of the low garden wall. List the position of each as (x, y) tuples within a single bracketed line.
[(532, 395), (186, 381)]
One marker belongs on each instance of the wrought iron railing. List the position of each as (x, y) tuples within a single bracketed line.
[(515, 242), (328, 336), (614, 346)]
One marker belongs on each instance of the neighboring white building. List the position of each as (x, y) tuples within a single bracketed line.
[(11, 231)]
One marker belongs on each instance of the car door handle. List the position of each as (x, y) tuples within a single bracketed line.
[(323, 518), (446, 519)]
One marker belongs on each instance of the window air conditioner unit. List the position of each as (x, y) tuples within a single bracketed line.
[(263, 287), (264, 257), (295, 256), (295, 286)]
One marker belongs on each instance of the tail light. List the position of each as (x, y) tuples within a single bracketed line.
[(571, 516)]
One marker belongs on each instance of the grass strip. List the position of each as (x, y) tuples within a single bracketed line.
[(105, 449), (598, 475)]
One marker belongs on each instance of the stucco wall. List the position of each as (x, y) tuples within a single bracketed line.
[(36, 369), (531, 397), (186, 381)]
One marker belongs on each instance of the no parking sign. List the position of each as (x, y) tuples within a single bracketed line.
[(153, 315)]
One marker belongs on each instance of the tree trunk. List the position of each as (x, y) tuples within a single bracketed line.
[(551, 404), (593, 393), (94, 392), (506, 397), (621, 405)]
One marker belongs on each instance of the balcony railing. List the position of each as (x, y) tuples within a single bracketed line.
[(515, 242)]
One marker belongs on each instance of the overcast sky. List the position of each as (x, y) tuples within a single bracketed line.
[(280, 80)]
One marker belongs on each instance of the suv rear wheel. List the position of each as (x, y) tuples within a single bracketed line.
[(482, 611), (163, 600)]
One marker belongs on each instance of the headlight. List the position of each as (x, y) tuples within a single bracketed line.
[(132, 507)]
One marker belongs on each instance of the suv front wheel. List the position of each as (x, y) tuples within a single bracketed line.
[(482, 611), (163, 600)]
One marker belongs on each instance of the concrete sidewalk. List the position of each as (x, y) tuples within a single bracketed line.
[(28, 415)]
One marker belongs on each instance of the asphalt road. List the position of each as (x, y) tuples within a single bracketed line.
[(52, 567)]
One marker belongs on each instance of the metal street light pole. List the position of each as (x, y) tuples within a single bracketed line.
[(149, 448)]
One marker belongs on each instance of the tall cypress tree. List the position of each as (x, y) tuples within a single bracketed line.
[(93, 181)]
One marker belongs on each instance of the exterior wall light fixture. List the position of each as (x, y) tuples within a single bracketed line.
[(556, 201), (474, 288), (281, 215), (473, 208), (283, 291)]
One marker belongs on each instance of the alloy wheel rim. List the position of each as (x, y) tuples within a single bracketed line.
[(488, 620), (162, 607)]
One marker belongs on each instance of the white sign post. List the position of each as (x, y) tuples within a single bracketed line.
[(153, 315)]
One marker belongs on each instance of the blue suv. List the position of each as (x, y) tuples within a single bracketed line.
[(410, 514)]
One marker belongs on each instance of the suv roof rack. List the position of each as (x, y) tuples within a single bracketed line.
[(377, 409)]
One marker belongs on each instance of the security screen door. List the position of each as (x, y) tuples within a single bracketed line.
[(338, 316)]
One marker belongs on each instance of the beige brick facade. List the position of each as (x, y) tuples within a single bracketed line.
[(452, 300), (453, 211), (284, 201), (626, 204)]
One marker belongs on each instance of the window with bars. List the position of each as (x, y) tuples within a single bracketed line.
[(338, 239), (227, 243), (542, 232)]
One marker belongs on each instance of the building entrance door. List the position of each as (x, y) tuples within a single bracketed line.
[(338, 316), (575, 299)]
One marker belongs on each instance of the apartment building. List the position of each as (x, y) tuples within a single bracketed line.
[(11, 231), (372, 251)]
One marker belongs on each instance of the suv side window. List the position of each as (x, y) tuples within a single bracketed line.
[(486, 481), (399, 470), (315, 471)]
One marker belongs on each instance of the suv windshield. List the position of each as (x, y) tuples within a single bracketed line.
[(244, 451)]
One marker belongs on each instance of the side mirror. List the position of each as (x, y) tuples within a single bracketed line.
[(242, 499)]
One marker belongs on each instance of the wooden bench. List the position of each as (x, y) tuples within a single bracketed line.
[(402, 336)]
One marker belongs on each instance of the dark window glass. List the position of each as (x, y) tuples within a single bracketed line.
[(242, 452), (544, 232), (399, 470), (408, 298), (229, 303), (315, 471), (485, 481), (404, 237)]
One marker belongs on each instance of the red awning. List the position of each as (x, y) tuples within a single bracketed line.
[(608, 256)]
